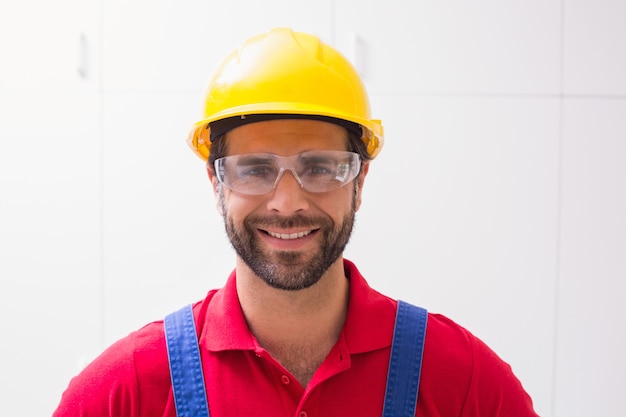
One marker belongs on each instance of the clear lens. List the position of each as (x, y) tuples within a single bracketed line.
[(315, 171)]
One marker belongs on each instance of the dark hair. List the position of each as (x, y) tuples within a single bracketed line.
[(219, 148)]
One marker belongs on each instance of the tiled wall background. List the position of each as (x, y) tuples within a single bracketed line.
[(498, 200)]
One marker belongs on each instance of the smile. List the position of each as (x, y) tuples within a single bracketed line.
[(289, 236)]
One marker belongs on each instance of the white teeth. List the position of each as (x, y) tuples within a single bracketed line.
[(288, 236)]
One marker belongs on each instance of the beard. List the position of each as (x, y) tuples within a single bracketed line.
[(289, 270)]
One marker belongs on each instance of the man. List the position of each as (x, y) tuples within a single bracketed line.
[(296, 330)]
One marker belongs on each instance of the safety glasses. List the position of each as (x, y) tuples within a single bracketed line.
[(315, 171)]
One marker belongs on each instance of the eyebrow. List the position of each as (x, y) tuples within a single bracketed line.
[(309, 157), (253, 159)]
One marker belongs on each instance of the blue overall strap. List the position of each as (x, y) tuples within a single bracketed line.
[(405, 363), (185, 365)]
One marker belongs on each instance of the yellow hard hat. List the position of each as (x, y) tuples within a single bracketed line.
[(283, 72)]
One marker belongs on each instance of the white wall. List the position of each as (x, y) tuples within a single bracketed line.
[(498, 199)]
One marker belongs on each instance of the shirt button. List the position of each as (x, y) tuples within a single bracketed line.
[(303, 414), (285, 379)]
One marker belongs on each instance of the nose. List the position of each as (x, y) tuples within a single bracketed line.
[(292, 171), (288, 196)]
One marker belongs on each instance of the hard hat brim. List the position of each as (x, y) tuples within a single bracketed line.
[(199, 136)]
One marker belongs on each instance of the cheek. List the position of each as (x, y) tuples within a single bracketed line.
[(338, 203), (335, 204), (237, 208)]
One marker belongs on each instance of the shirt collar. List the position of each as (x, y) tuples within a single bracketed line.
[(368, 326)]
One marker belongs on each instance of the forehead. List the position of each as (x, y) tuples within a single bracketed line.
[(286, 137)]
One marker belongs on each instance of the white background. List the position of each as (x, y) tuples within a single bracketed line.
[(499, 198)]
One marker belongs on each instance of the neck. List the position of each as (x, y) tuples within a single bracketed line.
[(299, 328)]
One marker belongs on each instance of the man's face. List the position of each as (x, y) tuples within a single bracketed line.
[(289, 237)]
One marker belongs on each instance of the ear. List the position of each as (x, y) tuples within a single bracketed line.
[(217, 191), (214, 181), (359, 185)]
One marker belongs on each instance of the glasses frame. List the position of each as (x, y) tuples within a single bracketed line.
[(347, 168)]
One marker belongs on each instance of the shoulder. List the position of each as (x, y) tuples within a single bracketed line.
[(118, 381), (448, 349), (473, 379), (109, 385), (451, 346)]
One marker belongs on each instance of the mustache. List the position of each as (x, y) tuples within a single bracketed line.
[(294, 221)]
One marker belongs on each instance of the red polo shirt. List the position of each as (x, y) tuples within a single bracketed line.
[(460, 375)]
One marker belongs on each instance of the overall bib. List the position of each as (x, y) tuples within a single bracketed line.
[(402, 378)]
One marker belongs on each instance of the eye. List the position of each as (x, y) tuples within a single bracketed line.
[(319, 168), (257, 171)]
